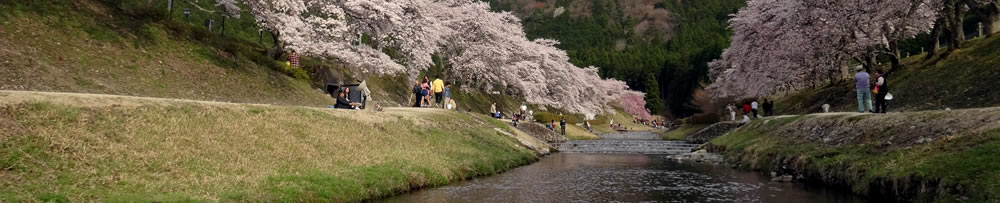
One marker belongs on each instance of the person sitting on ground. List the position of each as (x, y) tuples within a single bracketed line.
[(342, 101), (746, 119)]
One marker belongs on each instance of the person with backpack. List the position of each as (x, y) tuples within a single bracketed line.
[(880, 91)]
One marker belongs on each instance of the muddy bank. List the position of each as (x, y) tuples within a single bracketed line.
[(920, 156)]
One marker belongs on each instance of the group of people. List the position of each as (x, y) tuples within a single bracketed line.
[(865, 87), (438, 90), (562, 124), (657, 124), (751, 110)]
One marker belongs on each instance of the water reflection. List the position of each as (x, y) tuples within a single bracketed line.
[(567, 177)]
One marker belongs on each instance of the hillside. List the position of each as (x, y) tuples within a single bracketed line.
[(64, 147), (133, 48), (654, 46), (941, 156), (965, 79)]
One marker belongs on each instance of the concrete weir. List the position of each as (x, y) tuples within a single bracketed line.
[(628, 143)]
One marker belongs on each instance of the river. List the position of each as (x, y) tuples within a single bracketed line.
[(578, 177)]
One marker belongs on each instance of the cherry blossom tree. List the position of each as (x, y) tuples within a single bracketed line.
[(633, 103), (792, 43), (487, 49)]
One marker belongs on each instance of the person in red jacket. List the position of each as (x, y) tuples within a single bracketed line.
[(746, 109)]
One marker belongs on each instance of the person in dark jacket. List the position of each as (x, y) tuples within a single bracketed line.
[(882, 88), (343, 102), (417, 94), (562, 123)]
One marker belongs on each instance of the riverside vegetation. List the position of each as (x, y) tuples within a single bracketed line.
[(941, 156), (68, 147)]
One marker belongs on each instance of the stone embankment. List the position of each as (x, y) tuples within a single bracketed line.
[(711, 132), (628, 143)]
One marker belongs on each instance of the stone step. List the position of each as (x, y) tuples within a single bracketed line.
[(628, 152)]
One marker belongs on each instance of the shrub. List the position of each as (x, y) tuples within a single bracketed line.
[(295, 72)]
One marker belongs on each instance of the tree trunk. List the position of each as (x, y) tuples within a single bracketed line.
[(276, 49), (935, 38), (894, 57), (957, 29)]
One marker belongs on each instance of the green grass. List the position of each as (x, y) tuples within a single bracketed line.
[(961, 165), (682, 132), (965, 79), (130, 48), (76, 149)]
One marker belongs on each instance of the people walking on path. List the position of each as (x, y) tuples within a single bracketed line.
[(732, 111), (753, 108), (562, 124), (861, 80), (881, 89), (426, 86), (417, 93), (438, 87)]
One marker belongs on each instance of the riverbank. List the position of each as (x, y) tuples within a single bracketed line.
[(78, 147), (942, 156)]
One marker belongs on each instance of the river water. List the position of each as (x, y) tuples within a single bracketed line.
[(576, 177)]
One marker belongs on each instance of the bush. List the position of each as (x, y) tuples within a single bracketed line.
[(295, 72)]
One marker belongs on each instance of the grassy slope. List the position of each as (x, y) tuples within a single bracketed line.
[(886, 157), (966, 79), (97, 47), (83, 148)]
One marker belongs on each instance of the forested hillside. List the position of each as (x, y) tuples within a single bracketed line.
[(659, 47)]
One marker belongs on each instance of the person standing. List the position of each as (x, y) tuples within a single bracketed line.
[(861, 80), (447, 96), (438, 87), (562, 124), (768, 108), (881, 89), (753, 108), (493, 110), (746, 109), (732, 111), (293, 59)]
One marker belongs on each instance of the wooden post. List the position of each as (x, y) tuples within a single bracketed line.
[(980, 29), (170, 9)]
